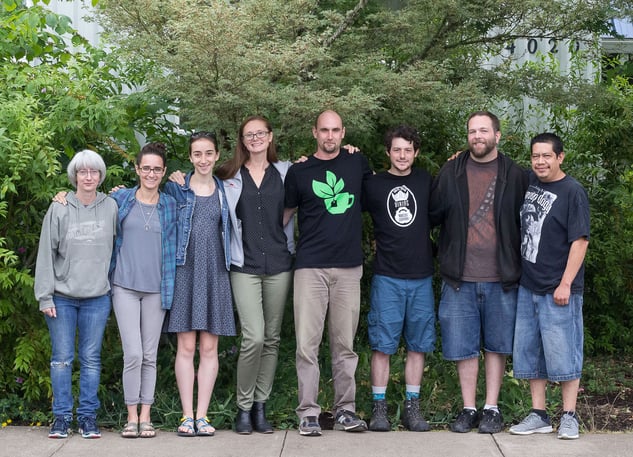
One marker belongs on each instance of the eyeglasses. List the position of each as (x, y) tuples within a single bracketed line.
[(84, 173), (146, 169), (259, 135)]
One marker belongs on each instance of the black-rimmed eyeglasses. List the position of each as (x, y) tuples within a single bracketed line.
[(146, 169), (259, 135)]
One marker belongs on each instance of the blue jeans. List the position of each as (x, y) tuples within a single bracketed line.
[(476, 312), (89, 316), (401, 307), (549, 343)]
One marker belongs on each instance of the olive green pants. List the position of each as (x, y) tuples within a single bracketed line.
[(260, 301)]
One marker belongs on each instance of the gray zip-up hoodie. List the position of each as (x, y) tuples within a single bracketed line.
[(75, 249)]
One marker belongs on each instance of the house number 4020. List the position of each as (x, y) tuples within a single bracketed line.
[(549, 45)]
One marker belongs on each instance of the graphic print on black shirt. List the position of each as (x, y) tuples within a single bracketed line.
[(336, 201), (537, 205), (402, 206)]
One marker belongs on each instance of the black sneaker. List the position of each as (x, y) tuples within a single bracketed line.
[(349, 422), (491, 421), (412, 418), (88, 428), (309, 426), (465, 421), (379, 421), (60, 428)]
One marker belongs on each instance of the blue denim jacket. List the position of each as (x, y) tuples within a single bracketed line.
[(185, 201), (125, 199)]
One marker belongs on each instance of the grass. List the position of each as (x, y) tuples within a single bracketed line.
[(605, 399), (440, 393)]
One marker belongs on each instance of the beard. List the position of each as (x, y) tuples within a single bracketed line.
[(330, 148), (480, 151)]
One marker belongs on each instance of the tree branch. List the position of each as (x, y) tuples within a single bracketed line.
[(349, 20)]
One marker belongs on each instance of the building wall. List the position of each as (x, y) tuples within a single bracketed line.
[(78, 11)]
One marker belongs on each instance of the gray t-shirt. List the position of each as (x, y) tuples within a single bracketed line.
[(138, 264)]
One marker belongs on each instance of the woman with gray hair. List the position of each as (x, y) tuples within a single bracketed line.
[(72, 287)]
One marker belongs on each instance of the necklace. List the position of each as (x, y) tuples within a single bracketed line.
[(142, 208)]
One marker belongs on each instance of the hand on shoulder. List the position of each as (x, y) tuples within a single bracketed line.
[(177, 177)]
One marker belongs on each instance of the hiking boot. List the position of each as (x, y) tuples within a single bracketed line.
[(60, 428), (465, 421), (411, 417), (326, 420), (491, 421), (88, 428), (568, 428), (379, 421), (533, 423), (349, 422), (309, 426)]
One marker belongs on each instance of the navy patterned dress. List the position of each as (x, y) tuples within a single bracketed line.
[(202, 298)]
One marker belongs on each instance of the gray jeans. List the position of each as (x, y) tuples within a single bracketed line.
[(140, 319)]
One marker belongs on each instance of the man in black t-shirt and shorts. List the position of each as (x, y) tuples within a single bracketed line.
[(326, 190), (549, 324), (402, 301)]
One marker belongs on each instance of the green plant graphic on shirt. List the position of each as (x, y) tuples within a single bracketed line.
[(336, 202)]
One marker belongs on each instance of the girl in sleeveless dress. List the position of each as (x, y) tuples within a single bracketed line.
[(202, 309)]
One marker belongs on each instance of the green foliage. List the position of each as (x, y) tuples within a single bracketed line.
[(603, 159), (595, 123), (14, 410), (54, 100), (421, 62), (377, 63)]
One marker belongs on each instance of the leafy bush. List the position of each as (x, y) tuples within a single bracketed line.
[(54, 102)]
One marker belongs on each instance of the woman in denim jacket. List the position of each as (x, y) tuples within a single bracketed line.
[(142, 276), (202, 309)]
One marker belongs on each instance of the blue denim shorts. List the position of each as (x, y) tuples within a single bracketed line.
[(549, 338), (401, 307), (474, 314)]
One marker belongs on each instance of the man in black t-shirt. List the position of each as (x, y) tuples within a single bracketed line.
[(549, 324), (401, 292), (326, 190)]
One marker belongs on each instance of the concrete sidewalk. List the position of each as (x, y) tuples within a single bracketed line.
[(34, 442)]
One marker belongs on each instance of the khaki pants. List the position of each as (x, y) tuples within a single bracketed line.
[(335, 293)]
